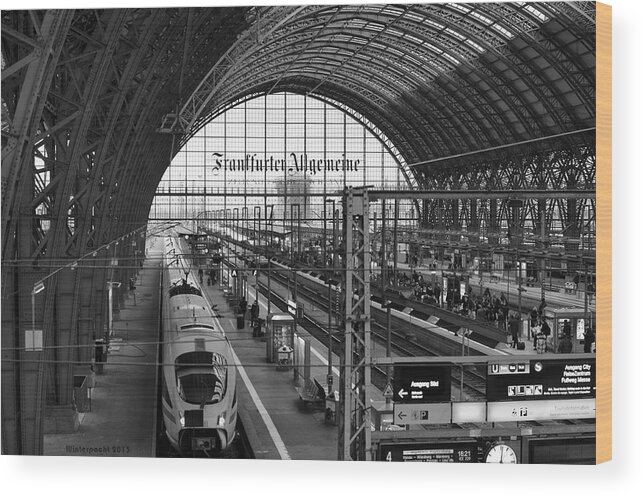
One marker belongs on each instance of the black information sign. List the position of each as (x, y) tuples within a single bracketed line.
[(546, 380), (442, 452), (422, 384)]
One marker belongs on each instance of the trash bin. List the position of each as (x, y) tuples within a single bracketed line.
[(241, 321), (81, 393), (284, 357), (330, 415)]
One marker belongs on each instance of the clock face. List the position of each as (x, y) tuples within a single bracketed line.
[(501, 453)]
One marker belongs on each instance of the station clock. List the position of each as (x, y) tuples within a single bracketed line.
[(501, 453)]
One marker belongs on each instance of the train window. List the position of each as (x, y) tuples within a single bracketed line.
[(201, 377), (184, 288), (196, 326)]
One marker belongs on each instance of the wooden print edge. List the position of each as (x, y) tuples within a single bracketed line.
[(603, 232)]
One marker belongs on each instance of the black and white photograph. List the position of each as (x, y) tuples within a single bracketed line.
[(342, 232)]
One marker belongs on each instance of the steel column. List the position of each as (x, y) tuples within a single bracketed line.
[(355, 376)]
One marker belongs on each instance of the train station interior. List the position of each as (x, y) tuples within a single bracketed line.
[(376, 222)]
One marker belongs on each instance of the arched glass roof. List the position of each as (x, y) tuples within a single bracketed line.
[(437, 79)]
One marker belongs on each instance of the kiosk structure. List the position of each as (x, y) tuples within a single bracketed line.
[(280, 339)]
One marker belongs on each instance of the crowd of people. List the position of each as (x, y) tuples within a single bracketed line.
[(494, 308), (485, 306)]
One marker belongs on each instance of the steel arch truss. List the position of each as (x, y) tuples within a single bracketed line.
[(562, 169), (435, 78), (82, 92)]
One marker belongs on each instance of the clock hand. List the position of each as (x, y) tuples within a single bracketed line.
[(502, 452)]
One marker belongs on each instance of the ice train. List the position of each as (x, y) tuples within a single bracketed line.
[(199, 399)]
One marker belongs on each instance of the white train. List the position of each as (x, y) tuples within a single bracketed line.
[(199, 398)]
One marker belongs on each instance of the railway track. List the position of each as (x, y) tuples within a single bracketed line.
[(473, 383)]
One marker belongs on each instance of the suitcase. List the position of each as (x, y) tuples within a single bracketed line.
[(521, 345)]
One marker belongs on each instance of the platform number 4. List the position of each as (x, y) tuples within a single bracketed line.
[(389, 457)]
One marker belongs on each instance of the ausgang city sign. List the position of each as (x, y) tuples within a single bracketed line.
[(543, 380)]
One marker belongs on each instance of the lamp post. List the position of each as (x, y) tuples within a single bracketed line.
[(244, 232), (110, 319), (257, 216), (37, 288), (235, 216), (292, 232), (268, 245), (329, 372)]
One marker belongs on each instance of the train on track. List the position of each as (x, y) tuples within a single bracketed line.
[(316, 282), (198, 389)]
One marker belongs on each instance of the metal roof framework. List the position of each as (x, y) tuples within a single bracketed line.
[(86, 92)]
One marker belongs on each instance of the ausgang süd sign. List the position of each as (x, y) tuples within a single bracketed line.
[(289, 164)]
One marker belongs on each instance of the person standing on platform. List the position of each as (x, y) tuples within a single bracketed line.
[(567, 329), (536, 332), (546, 330), (243, 305), (565, 345), (514, 328), (541, 307), (588, 340), (533, 320), (590, 292), (200, 275), (541, 343), (254, 312)]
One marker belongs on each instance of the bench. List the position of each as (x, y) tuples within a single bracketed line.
[(311, 393)]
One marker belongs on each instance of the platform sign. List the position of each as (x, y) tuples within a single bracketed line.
[(388, 391), (440, 452), (421, 413), (546, 379), (422, 384), (529, 410), (580, 328), (508, 368)]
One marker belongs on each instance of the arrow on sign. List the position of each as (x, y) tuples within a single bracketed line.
[(234, 273), (402, 415), (402, 393)]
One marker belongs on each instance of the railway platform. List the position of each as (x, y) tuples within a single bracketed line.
[(121, 416), (531, 295), (277, 423)]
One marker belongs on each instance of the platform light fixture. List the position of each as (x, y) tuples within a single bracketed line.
[(329, 372), (33, 337), (110, 323)]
